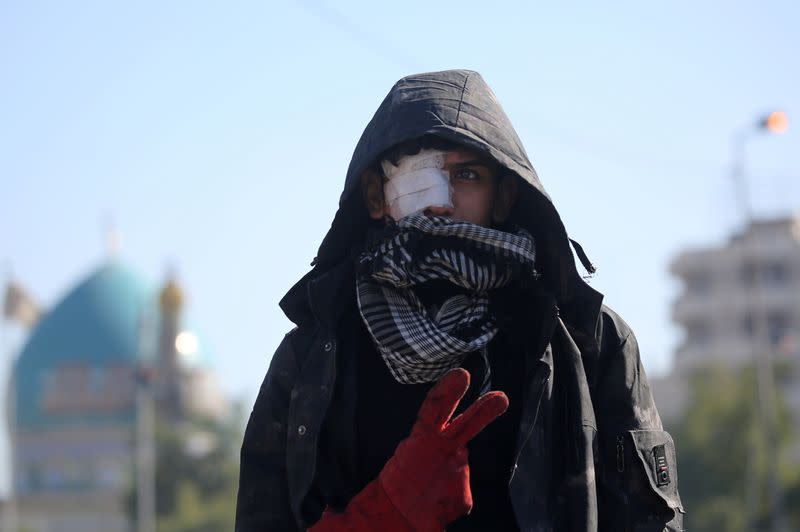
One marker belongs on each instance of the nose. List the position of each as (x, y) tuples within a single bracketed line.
[(439, 210)]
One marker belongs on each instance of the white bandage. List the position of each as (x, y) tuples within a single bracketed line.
[(417, 182)]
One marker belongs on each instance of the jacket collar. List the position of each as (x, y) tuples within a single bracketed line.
[(320, 296), (582, 310)]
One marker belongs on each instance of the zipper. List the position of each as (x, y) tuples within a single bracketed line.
[(544, 369), (542, 383), (620, 454)]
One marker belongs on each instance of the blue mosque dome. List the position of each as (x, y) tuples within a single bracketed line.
[(78, 381), (81, 360), (98, 326)]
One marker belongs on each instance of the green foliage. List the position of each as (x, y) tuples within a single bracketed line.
[(193, 512), (197, 470), (722, 454)]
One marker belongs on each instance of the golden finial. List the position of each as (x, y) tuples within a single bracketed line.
[(171, 298)]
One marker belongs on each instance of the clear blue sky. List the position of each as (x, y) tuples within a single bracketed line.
[(216, 136)]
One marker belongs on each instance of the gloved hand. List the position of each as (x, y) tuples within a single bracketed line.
[(425, 485)]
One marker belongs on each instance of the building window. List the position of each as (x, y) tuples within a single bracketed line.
[(778, 326), (28, 479), (765, 273), (698, 283), (110, 473), (698, 333), (775, 273), (747, 326)]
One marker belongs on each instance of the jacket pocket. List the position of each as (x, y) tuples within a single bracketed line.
[(655, 472)]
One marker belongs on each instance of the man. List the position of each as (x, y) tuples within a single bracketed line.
[(447, 259)]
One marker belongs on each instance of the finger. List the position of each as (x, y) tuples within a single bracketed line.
[(475, 418), (442, 399)]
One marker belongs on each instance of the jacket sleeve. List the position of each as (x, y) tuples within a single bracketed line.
[(637, 478), (263, 500)]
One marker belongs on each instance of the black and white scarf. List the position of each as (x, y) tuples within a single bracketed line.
[(420, 344)]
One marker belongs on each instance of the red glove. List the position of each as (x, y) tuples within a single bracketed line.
[(425, 485)]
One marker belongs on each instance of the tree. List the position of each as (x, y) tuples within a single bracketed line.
[(197, 471), (722, 454)]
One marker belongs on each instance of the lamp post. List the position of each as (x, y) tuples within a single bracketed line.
[(145, 432), (145, 451), (775, 122)]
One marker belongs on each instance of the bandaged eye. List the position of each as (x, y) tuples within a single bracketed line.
[(415, 183)]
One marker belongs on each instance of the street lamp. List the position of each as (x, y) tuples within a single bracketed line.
[(775, 122), (186, 343)]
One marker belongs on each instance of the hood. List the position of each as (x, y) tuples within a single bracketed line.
[(457, 105)]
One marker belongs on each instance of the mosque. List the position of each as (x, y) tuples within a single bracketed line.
[(90, 363)]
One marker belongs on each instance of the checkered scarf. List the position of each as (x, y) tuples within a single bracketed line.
[(420, 344)]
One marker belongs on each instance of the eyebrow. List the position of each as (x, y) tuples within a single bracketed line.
[(472, 162)]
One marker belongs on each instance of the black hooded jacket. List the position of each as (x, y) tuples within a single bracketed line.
[(584, 404)]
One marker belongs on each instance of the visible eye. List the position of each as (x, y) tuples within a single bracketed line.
[(466, 174)]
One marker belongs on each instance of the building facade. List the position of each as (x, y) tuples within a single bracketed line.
[(737, 300)]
